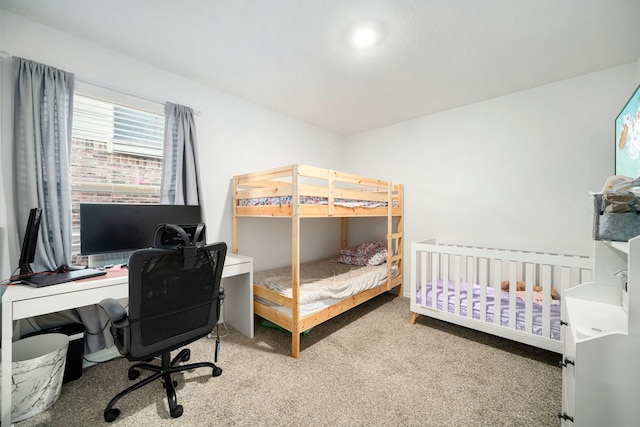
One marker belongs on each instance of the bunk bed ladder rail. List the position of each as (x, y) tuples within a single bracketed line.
[(395, 243), (295, 262)]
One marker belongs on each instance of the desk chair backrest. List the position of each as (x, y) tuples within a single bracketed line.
[(174, 296)]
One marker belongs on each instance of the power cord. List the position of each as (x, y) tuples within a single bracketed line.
[(221, 297), (226, 330), (14, 279)]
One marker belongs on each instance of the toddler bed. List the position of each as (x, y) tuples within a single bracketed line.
[(301, 191), (511, 294)]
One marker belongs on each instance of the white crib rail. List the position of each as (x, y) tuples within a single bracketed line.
[(464, 266)]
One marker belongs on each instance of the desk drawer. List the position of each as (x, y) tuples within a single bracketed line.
[(235, 269)]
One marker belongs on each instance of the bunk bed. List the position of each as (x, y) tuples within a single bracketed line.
[(300, 191)]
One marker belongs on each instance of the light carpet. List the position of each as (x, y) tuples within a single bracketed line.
[(366, 367)]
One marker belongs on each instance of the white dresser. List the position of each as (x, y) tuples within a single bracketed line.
[(601, 360)]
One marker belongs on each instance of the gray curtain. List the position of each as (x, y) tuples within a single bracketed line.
[(180, 184), (42, 125), (43, 105)]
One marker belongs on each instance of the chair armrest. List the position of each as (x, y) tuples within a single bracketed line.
[(120, 328), (114, 310)]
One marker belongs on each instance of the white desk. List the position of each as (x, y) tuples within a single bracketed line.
[(21, 301)]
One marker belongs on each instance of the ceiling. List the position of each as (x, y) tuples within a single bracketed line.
[(291, 55)]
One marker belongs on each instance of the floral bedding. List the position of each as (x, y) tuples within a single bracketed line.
[(367, 253), (312, 200)]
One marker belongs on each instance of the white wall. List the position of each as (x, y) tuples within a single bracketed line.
[(234, 136), (512, 172)]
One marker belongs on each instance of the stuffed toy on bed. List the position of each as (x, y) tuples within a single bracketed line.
[(520, 286)]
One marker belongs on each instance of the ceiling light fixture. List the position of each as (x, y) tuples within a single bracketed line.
[(365, 35)]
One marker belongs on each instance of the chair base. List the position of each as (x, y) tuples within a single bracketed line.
[(164, 371)]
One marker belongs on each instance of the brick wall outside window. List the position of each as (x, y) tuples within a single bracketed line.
[(93, 163)]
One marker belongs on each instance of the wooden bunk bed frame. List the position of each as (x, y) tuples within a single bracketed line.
[(296, 181)]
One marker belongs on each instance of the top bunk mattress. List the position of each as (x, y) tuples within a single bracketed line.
[(313, 200)]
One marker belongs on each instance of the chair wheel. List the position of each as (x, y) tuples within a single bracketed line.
[(176, 412), (133, 374), (186, 356), (111, 415), (217, 372)]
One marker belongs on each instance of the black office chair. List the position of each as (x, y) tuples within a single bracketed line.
[(174, 299)]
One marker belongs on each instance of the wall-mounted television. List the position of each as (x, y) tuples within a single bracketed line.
[(119, 227), (628, 138)]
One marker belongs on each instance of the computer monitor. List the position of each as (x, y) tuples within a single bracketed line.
[(30, 242), (119, 227)]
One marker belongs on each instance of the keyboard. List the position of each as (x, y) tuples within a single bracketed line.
[(48, 279)]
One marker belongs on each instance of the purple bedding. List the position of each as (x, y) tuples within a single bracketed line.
[(504, 307)]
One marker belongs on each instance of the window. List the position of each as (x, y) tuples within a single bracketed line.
[(116, 152)]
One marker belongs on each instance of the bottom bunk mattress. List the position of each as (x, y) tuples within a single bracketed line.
[(322, 283), (490, 304)]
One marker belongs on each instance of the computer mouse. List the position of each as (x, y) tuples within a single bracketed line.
[(63, 268)]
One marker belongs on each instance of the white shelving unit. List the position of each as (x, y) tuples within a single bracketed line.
[(601, 360)]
